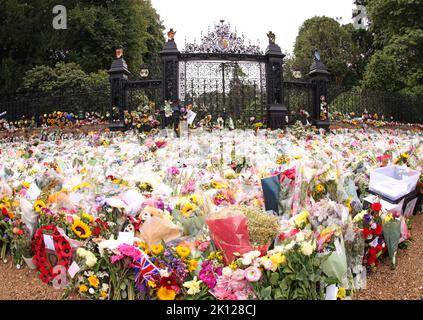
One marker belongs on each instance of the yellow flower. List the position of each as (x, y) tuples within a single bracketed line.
[(93, 280), (39, 205), (81, 229), (194, 199), (193, 286), (87, 216), (219, 256), (404, 155), (166, 294), (26, 185), (83, 288), (188, 209), (233, 265), (157, 249), (142, 245), (277, 259), (320, 188), (341, 293), (182, 251), (103, 294), (151, 284), (192, 265), (388, 218), (218, 185), (301, 218)]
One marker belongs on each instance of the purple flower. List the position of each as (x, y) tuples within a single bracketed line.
[(367, 218), (208, 274), (160, 204)]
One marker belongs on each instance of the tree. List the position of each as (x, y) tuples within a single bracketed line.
[(398, 32), (341, 55), (94, 28)]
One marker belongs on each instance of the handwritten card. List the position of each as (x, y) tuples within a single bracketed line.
[(48, 242), (73, 269), (191, 117)]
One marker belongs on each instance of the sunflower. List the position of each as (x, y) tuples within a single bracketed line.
[(166, 294), (187, 209), (93, 280), (182, 251), (81, 229), (39, 205), (157, 249), (320, 188), (87, 216), (83, 288)]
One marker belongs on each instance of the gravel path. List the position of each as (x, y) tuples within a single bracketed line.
[(406, 282)]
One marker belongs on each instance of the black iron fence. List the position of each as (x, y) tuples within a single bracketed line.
[(385, 105), (33, 105), (298, 98)]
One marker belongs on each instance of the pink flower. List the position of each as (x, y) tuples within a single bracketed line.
[(189, 187), (117, 258), (130, 251), (203, 246), (238, 275), (173, 171), (253, 274), (69, 219)]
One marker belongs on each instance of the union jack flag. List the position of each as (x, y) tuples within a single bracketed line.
[(144, 270)]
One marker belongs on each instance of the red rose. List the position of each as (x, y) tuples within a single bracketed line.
[(377, 263), (96, 231), (371, 260), (366, 233), (376, 207), (373, 251), (378, 230)]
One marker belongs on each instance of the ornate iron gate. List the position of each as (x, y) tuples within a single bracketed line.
[(224, 77)]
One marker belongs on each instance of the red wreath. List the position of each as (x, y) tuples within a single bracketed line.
[(63, 251)]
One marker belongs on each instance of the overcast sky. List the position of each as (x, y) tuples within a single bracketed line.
[(253, 17)]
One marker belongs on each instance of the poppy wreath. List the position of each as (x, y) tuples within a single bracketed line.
[(63, 252)]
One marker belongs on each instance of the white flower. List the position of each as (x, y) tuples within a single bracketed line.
[(91, 260), (91, 291), (104, 287), (307, 248), (299, 237), (246, 260), (164, 273), (226, 271), (193, 286), (374, 226)]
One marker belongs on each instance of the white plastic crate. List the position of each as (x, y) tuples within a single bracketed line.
[(393, 182)]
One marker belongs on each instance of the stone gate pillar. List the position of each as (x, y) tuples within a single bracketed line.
[(276, 109), (170, 68), (118, 77), (319, 76)]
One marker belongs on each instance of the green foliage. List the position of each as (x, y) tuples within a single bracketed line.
[(62, 76), (339, 47), (382, 73), (300, 278), (398, 31), (95, 28)]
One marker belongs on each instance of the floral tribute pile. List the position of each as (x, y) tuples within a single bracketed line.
[(133, 216)]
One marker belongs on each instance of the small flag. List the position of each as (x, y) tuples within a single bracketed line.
[(144, 270)]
